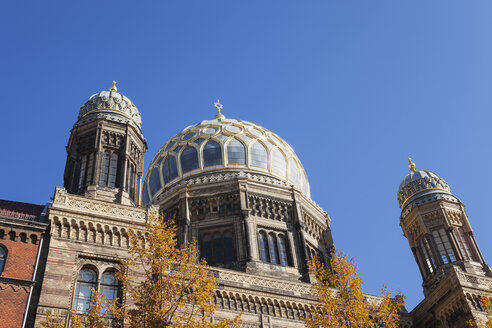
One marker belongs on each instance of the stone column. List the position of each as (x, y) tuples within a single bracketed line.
[(301, 251), (292, 243)]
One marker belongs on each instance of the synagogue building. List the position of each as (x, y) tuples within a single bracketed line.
[(238, 189)]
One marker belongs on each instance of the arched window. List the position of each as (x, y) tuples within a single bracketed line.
[(3, 258), (305, 185), (103, 178), (169, 169), (113, 165), (86, 280), (464, 244), (109, 166), (259, 155), (428, 259), (145, 194), (443, 246), (217, 247), (264, 254), (236, 153), (90, 166), (282, 250), (279, 164), (212, 154), (155, 181), (272, 245), (189, 159), (295, 175), (109, 286), (83, 166)]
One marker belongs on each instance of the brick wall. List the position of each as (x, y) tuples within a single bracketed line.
[(15, 279)]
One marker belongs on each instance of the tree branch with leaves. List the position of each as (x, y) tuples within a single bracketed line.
[(341, 302), (167, 283)]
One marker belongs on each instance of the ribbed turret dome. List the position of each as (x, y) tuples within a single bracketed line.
[(112, 106), (420, 183), (223, 145)]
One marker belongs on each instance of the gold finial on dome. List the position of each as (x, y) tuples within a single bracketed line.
[(219, 107), (113, 87), (411, 165)]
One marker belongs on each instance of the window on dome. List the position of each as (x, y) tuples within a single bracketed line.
[(169, 169), (3, 257), (236, 153), (279, 164), (189, 136), (295, 176), (189, 159), (305, 186), (212, 154), (259, 155), (86, 280), (145, 194), (154, 181), (443, 246)]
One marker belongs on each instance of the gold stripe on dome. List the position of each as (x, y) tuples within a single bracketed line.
[(420, 191)]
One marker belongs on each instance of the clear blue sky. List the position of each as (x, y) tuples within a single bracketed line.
[(354, 86)]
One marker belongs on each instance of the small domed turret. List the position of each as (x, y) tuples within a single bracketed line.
[(105, 156), (420, 183), (112, 106)]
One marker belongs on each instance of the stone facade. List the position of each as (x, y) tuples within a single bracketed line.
[(84, 232)]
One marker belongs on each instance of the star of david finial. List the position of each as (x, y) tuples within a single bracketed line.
[(219, 107), (411, 165)]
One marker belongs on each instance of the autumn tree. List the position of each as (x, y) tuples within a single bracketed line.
[(341, 302), (167, 283), (486, 304)]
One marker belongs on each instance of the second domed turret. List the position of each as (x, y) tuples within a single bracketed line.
[(419, 183), (112, 106)]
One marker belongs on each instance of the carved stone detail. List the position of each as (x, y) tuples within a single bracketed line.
[(270, 209)]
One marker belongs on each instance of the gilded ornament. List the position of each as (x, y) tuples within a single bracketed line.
[(411, 165), (219, 106), (113, 87)]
